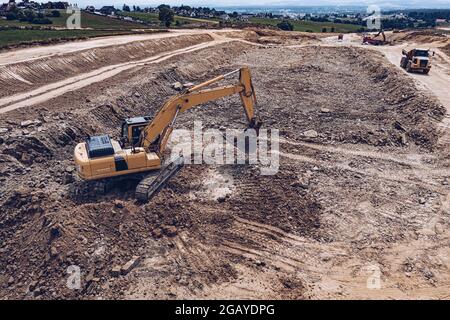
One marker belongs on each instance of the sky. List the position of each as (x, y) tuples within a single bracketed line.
[(224, 3)]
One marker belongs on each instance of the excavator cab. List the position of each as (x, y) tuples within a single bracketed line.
[(131, 130)]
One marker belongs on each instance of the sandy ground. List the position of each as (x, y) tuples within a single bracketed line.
[(53, 90), (359, 209), (34, 53)]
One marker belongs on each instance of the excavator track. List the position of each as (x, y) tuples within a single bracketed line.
[(152, 183)]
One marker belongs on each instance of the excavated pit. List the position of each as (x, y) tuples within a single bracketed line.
[(336, 202)]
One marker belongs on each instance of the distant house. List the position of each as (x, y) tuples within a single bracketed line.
[(224, 17), (245, 17), (108, 10), (6, 7), (90, 8)]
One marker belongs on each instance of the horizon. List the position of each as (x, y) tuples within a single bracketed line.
[(254, 4)]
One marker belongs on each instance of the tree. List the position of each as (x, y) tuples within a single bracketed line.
[(285, 25), (332, 29), (126, 8), (324, 29), (42, 21), (56, 13), (166, 15), (29, 15), (11, 16), (163, 6)]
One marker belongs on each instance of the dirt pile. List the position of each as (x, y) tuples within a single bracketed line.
[(446, 49), (424, 36), (31, 74)]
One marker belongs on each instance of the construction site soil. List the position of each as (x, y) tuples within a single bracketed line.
[(362, 187)]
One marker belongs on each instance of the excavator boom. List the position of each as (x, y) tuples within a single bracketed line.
[(156, 132)]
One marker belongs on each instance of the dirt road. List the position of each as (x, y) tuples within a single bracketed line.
[(40, 52), (53, 90)]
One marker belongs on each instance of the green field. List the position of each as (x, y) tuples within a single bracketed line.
[(88, 20), (300, 25), (17, 36), (152, 18)]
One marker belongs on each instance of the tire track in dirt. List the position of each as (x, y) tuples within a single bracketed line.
[(41, 52), (392, 175)]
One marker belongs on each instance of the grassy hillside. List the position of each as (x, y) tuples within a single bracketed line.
[(152, 18), (16, 36), (93, 26), (88, 20), (300, 25)]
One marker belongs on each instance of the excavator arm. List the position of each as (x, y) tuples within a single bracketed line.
[(156, 134)]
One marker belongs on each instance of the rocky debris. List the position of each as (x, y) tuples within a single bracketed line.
[(304, 184), (53, 251), (222, 199), (124, 269), (260, 263), (310, 134), (170, 231), (70, 169), (177, 86), (118, 204), (276, 201), (68, 178), (55, 232), (32, 286), (115, 271), (131, 264), (422, 200), (3, 130), (157, 233), (399, 126), (26, 123), (403, 139)]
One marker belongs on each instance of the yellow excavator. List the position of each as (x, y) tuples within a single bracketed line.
[(139, 154)]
